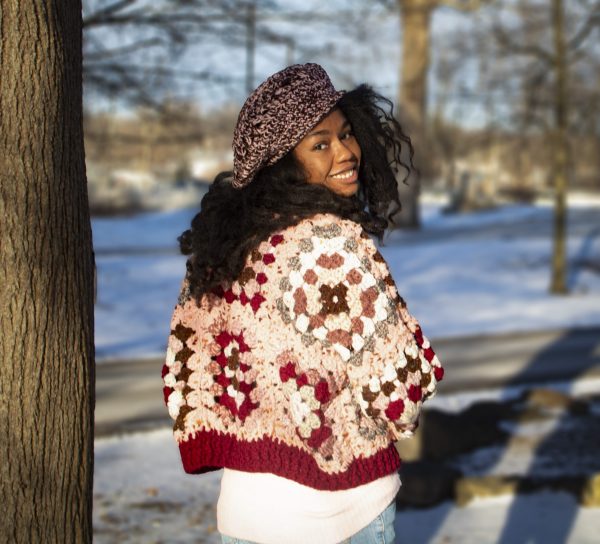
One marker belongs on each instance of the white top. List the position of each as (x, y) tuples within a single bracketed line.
[(269, 509)]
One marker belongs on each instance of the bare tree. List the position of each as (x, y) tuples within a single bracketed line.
[(550, 42), (415, 17), (46, 279), (558, 282), (134, 52), (132, 47)]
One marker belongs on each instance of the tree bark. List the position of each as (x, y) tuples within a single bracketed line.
[(415, 16), (46, 279), (561, 151)]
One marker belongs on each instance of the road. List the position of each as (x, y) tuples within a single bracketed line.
[(129, 393)]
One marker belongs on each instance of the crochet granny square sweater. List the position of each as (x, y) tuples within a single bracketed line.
[(308, 366)]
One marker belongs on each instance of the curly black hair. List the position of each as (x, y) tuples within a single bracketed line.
[(232, 222)]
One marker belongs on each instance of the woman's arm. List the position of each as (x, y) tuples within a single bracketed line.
[(340, 292)]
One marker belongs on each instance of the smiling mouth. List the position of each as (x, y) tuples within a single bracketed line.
[(346, 175)]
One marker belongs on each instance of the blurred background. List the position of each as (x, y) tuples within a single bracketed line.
[(474, 80), (496, 251)]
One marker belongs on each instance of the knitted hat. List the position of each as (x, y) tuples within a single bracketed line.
[(277, 115)]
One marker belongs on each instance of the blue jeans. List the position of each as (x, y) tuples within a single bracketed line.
[(379, 531)]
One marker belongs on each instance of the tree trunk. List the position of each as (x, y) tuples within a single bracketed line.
[(561, 150), (415, 16), (46, 279)]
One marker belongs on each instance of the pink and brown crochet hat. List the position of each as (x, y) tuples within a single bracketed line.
[(277, 115)]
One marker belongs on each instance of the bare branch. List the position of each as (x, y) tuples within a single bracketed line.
[(107, 11), (124, 86), (585, 30), (125, 50), (528, 50), (142, 18), (203, 75)]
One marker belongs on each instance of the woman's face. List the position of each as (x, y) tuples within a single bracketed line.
[(330, 155)]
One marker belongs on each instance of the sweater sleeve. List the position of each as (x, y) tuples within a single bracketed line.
[(399, 376), (340, 292), (173, 369)]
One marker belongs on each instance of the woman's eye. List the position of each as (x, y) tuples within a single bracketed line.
[(320, 147), (347, 135)]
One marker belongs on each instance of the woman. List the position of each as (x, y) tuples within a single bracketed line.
[(293, 363)]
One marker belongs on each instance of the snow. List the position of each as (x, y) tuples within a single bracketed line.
[(551, 449), (457, 402), (148, 230), (485, 272), (141, 494), (542, 517)]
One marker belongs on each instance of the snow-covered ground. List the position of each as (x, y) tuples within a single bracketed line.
[(545, 517), (483, 272), (142, 495)]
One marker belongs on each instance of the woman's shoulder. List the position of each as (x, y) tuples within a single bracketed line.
[(323, 225)]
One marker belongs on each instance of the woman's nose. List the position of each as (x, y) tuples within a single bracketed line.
[(343, 152)]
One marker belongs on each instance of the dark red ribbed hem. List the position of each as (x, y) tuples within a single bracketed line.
[(209, 450)]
